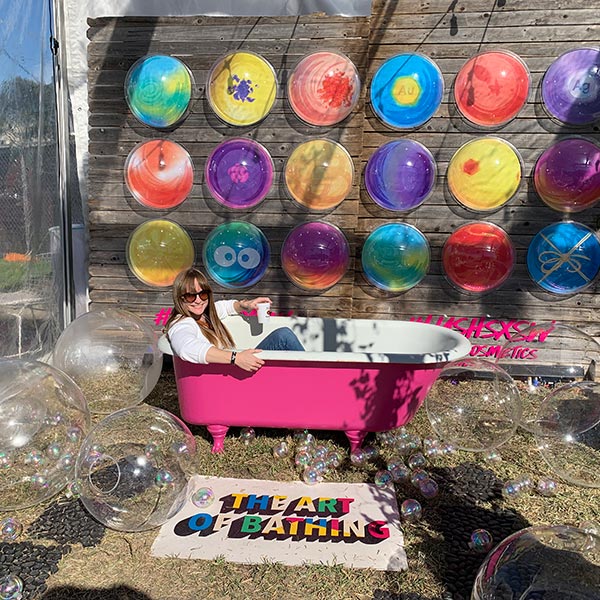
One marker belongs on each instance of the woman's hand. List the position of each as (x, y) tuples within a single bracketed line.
[(247, 360), (249, 305)]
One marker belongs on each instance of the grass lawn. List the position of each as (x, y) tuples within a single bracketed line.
[(119, 566)]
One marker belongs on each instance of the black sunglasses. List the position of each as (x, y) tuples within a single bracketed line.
[(190, 297)]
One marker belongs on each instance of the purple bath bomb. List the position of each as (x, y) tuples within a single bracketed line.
[(315, 255), (400, 175), (571, 87), (567, 175), (239, 173)]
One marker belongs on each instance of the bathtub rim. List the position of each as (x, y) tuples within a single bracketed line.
[(461, 348)]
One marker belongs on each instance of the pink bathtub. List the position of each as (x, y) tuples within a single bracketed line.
[(356, 376)]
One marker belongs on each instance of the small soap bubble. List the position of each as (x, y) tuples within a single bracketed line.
[(320, 451), (5, 462), (546, 486), (447, 448), (304, 437), (164, 478), (399, 471), (357, 457), (525, 481), (247, 435), (429, 488), (10, 529), (481, 541), (370, 452), (410, 510), (53, 450), (591, 527), (180, 448), (11, 588), (73, 489), (492, 456), (414, 441), (311, 476), (333, 459), (403, 447), (417, 476), (512, 489), (319, 465), (203, 497), (302, 458), (281, 450), (382, 478), (74, 434), (385, 437), (151, 450), (415, 461), (34, 457)]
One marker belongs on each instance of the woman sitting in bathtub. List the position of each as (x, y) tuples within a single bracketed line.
[(198, 335)]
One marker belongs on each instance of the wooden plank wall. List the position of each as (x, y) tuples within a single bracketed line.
[(448, 32), (115, 44)]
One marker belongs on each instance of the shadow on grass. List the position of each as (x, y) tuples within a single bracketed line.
[(120, 592)]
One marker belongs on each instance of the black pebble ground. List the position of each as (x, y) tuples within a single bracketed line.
[(32, 563), (67, 522)]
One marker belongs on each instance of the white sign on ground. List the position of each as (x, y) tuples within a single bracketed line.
[(250, 521)]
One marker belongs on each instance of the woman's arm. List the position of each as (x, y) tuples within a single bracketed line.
[(245, 359), (249, 305)]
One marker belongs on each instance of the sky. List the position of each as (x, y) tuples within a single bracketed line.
[(24, 31)]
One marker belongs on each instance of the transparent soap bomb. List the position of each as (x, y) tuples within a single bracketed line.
[(551, 562), (568, 432), (131, 469), (474, 405), (112, 355), (43, 420), (543, 357)]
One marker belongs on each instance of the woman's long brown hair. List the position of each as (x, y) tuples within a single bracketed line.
[(215, 332)]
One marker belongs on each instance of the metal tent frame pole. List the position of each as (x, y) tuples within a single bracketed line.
[(59, 61)]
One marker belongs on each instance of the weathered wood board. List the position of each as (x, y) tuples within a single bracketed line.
[(448, 32)]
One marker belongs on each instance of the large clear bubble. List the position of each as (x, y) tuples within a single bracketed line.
[(131, 469), (547, 562), (544, 356), (113, 356), (568, 432), (43, 420), (474, 405)]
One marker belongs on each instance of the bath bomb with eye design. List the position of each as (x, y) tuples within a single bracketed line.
[(478, 257), (571, 87), (323, 88), (159, 174), (484, 174), (236, 254), (406, 90), (400, 175), (491, 88), (241, 89), (564, 258), (395, 257), (319, 173), (158, 90), (567, 175), (158, 250), (239, 173), (315, 255)]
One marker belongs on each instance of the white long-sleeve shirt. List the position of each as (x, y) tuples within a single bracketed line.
[(187, 338)]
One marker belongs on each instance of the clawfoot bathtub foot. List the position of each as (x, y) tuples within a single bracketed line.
[(355, 437), (218, 433)]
